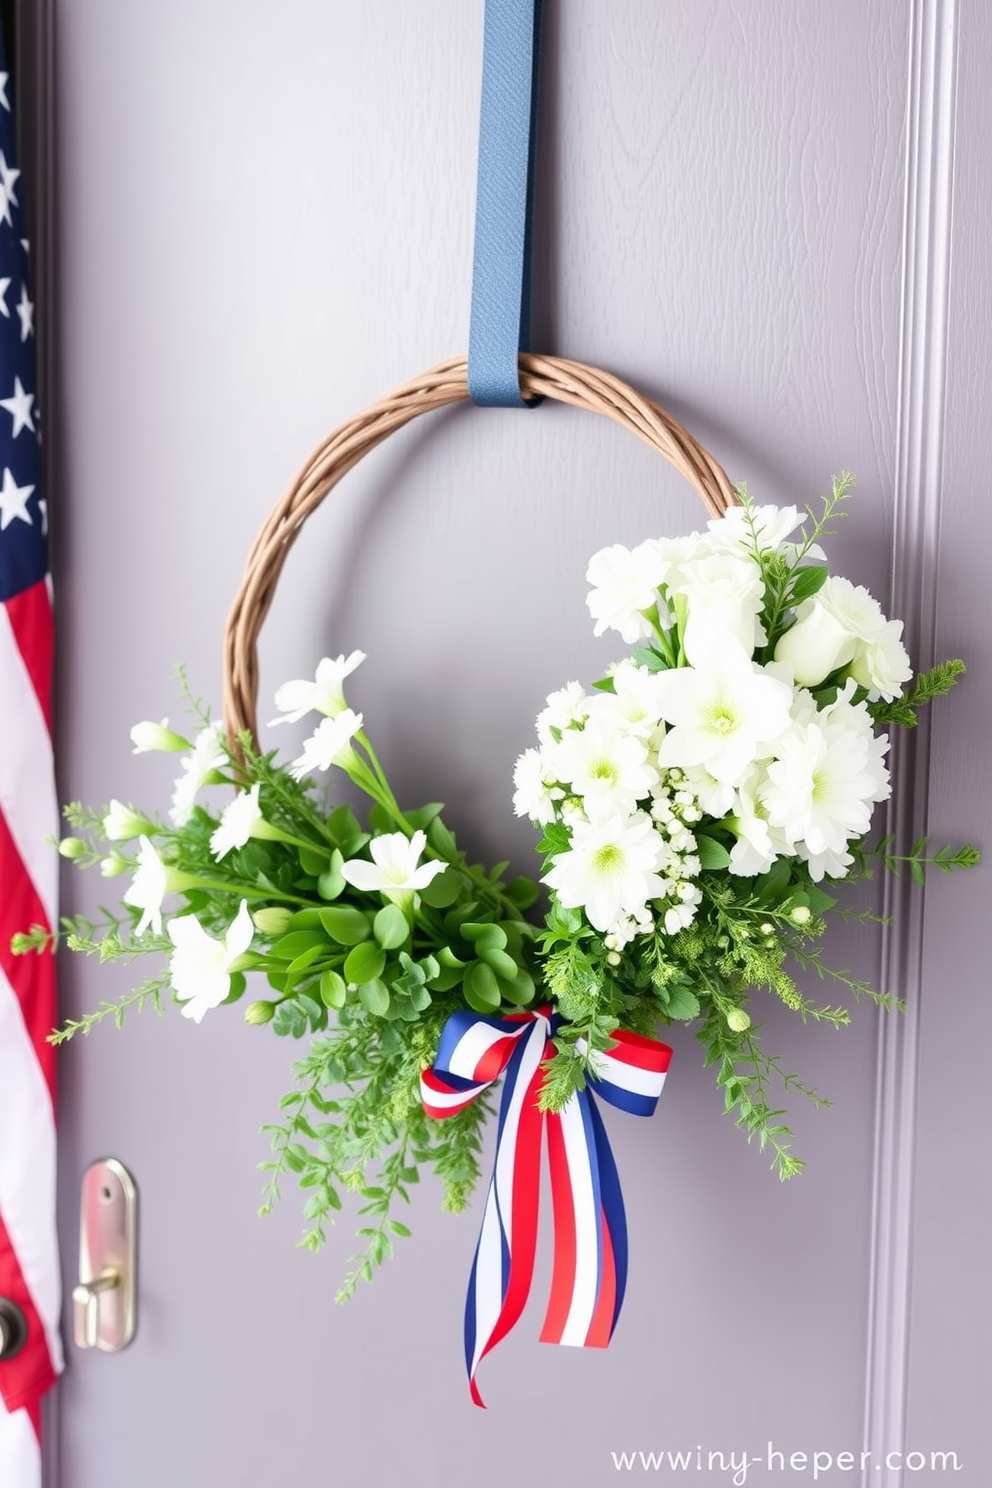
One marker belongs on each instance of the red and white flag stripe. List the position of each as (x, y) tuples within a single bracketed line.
[(29, 1273)]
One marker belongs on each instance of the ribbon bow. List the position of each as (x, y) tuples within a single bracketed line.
[(589, 1275)]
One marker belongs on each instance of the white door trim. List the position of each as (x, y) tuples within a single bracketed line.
[(930, 113)]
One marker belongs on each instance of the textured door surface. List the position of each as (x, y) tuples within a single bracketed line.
[(264, 221)]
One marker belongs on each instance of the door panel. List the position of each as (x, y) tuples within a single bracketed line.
[(265, 222)]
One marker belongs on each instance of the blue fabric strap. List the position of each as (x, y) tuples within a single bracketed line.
[(500, 325)]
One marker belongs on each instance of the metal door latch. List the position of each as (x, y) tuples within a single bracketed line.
[(103, 1303)]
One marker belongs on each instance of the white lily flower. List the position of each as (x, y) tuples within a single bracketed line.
[(329, 744), (610, 869), (325, 694), (148, 888), (200, 966), (724, 715), (207, 755), (236, 822), (148, 737), (625, 582), (608, 769), (395, 869), (121, 823)]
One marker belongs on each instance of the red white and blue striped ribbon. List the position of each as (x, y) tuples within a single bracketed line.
[(589, 1274)]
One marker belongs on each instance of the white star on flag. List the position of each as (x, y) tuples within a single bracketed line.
[(4, 286), (3, 90), (18, 405), (8, 176), (25, 310), (13, 501)]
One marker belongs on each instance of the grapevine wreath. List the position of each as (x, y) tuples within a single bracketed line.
[(701, 807)]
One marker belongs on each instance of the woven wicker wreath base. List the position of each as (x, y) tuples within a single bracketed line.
[(540, 376)]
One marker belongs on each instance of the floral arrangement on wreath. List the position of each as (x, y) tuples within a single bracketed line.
[(699, 807)]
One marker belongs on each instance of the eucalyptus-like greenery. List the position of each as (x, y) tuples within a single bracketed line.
[(367, 971)]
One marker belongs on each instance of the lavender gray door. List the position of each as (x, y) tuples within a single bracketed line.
[(773, 218)]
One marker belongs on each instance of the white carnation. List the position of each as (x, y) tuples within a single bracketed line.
[(566, 706), (821, 786), (724, 594), (634, 705), (882, 665), (768, 526), (625, 583), (533, 796)]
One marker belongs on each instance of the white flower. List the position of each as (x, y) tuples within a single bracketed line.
[(325, 694), (148, 888), (882, 665), (820, 789), (625, 582), (566, 706), (726, 713), (121, 823), (842, 712), (609, 770), (200, 966), (715, 796), (634, 705), (156, 736), (533, 796), (757, 846), (329, 744), (609, 870), (815, 646), (829, 630), (236, 822), (832, 864), (724, 593), (207, 756), (395, 868), (769, 527)]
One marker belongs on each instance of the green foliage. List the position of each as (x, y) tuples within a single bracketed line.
[(928, 685), (364, 980), (917, 860)]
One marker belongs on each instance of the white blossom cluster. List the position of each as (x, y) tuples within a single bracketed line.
[(716, 738)]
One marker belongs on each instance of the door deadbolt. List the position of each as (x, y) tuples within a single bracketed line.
[(104, 1300), (13, 1329)]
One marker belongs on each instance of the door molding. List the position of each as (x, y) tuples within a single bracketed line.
[(930, 116)]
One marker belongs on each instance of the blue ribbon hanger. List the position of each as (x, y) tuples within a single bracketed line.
[(500, 323)]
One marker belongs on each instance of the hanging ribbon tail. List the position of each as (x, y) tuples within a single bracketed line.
[(589, 1274), (473, 1052)]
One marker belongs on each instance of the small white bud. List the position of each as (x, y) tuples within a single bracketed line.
[(147, 737)]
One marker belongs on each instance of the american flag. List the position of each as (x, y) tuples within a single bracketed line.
[(29, 1275)]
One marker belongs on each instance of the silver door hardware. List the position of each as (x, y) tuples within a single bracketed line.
[(103, 1303), (13, 1328)]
